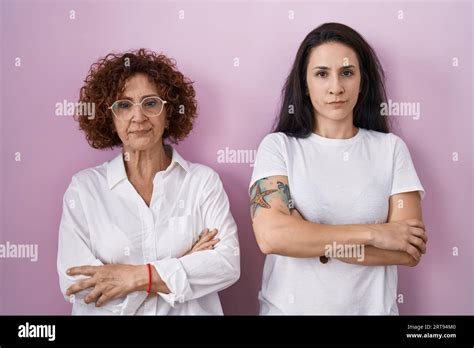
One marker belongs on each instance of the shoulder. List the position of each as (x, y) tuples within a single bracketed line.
[(202, 174), (388, 145), (275, 143), (383, 140), (200, 170), (277, 139), (90, 177)]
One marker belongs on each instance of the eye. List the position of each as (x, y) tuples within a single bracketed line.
[(347, 73), (123, 104), (151, 103), (321, 74)]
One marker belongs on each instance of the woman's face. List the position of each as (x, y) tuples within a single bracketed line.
[(333, 74), (140, 132)]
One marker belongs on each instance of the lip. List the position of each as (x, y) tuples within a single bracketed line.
[(337, 103), (140, 132)]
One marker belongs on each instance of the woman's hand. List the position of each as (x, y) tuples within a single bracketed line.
[(206, 241), (407, 235), (108, 281)]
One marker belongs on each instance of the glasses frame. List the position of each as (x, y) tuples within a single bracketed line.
[(136, 104)]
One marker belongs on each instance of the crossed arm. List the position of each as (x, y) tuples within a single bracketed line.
[(402, 207), (280, 229), (114, 281)]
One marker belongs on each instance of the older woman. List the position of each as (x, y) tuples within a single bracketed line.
[(147, 232)]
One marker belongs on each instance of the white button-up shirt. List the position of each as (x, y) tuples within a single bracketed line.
[(105, 221)]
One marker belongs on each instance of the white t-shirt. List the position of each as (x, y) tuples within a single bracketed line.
[(334, 181)]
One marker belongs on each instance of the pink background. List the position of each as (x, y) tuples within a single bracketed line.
[(237, 108)]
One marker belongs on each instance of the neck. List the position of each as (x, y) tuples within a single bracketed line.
[(334, 129), (144, 164)]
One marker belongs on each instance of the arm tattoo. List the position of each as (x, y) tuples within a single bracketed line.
[(259, 192), (286, 195)]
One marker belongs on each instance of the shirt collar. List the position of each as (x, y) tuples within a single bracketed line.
[(116, 168)]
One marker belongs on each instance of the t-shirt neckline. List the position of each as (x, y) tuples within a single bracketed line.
[(336, 142)]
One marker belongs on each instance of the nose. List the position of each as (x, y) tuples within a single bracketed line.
[(137, 114), (336, 87)]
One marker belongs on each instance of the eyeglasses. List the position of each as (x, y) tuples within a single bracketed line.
[(151, 107)]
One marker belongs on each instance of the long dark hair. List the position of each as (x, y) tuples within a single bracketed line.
[(296, 117)]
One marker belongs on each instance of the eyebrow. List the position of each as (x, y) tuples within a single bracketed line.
[(143, 97), (326, 68)]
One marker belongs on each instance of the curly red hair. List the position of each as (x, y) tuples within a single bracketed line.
[(105, 82)]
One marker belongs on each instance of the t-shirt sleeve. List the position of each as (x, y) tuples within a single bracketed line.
[(270, 159), (404, 176)]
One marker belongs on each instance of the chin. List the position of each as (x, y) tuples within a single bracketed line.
[(337, 115)]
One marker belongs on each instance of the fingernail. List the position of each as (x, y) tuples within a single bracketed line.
[(68, 271)]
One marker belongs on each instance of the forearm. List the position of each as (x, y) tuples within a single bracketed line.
[(372, 256), (199, 273), (288, 235), (193, 275), (401, 207)]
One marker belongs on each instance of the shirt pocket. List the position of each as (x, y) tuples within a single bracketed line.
[(180, 235)]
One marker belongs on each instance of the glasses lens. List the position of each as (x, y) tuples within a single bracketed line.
[(152, 106), (122, 108)]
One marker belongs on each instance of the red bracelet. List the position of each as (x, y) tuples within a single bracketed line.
[(149, 279)]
